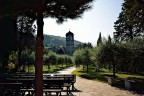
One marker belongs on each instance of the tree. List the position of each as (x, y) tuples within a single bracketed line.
[(99, 41), (86, 57), (84, 45), (109, 43), (61, 60), (59, 9), (26, 39), (135, 13), (8, 38), (108, 54), (69, 60), (124, 29), (27, 59), (109, 39), (82, 57), (77, 57), (135, 56), (129, 24)]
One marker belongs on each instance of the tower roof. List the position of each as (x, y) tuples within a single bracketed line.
[(69, 33)]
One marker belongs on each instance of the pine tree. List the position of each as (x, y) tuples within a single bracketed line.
[(130, 21), (61, 10)]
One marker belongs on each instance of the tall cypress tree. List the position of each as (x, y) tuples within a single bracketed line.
[(99, 41)]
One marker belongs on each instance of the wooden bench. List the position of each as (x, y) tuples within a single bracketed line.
[(68, 78), (50, 86), (26, 82), (10, 89), (31, 92), (53, 85)]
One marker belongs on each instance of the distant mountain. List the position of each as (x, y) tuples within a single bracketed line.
[(51, 40)]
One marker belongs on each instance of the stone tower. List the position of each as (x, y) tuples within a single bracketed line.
[(69, 43)]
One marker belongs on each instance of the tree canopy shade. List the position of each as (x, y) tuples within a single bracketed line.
[(10, 33), (59, 9), (8, 38), (64, 9)]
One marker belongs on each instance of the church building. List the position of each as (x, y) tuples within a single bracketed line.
[(69, 43)]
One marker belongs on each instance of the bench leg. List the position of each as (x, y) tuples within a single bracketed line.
[(68, 90), (73, 87), (46, 93), (57, 93), (18, 94), (49, 93), (60, 93), (22, 93)]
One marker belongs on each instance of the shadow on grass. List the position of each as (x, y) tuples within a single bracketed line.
[(93, 76)]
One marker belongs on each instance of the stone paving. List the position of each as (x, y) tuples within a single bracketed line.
[(94, 88)]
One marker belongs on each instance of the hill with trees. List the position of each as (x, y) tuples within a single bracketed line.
[(51, 40)]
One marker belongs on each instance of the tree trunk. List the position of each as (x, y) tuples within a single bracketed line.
[(83, 66), (19, 54), (5, 63), (109, 67), (20, 46), (48, 67), (113, 70), (39, 55), (131, 32), (87, 68)]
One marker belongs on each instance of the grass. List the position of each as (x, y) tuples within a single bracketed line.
[(92, 74), (53, 68), (31, 69)]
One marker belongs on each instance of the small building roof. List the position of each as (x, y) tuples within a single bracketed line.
[(69, 33)]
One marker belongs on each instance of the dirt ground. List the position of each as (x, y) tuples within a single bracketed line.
[(85, 87)]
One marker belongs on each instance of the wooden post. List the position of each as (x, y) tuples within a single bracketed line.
[(39, 55)]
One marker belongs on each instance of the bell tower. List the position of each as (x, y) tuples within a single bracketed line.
[(69, 43)]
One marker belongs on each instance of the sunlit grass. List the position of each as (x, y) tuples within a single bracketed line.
[(53, 68), (100, 75)]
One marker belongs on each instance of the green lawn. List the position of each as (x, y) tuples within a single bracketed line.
[(101, 74), (31, 69), (52, 68)]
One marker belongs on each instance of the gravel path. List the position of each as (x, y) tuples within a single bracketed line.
[(94, 88)]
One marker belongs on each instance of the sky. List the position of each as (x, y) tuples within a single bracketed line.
[(100, 18)]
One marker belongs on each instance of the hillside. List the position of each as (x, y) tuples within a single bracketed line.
[(51, 40)]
